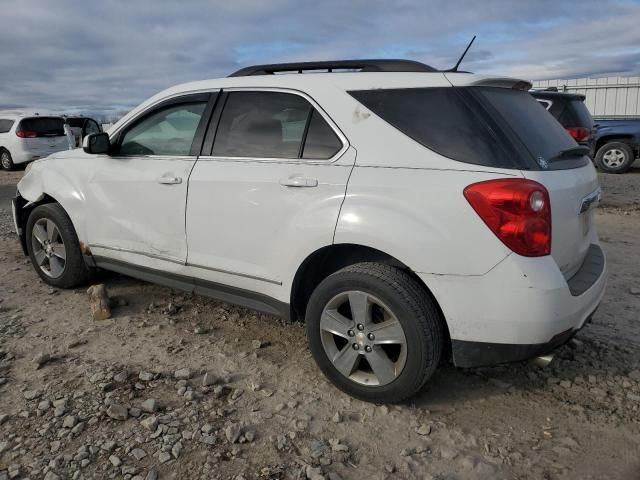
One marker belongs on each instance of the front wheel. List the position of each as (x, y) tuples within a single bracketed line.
[(374, 332), (53, 247), (6, 161), (615, 157)]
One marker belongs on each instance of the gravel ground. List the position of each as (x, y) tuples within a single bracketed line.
[(179, 386)]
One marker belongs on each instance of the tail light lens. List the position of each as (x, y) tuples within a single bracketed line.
[(579, 134), (517, 211), (26, 134)]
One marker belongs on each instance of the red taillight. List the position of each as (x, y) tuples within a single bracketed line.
[(517, 211), (26, 134), (579, 134)]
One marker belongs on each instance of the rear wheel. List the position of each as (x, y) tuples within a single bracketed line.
[(374, 332), (53, 247), (6, 161), (615, 157)]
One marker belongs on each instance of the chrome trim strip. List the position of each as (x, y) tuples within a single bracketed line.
[(229, 272), (591, 200), (178, 262), (136, 252)]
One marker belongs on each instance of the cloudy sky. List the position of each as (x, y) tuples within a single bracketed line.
[(107, 56)]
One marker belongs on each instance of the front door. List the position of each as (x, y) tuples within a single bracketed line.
[(137, 195)]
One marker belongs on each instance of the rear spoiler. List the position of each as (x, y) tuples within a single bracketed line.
[(462, 80)]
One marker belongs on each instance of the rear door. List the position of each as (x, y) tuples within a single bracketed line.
[(268, 192), (137, 195), (42, 135)]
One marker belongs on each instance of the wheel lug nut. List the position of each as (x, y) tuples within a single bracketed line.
[(360, 327), (371, 336), (367, 349), (351, 333), (356, 346)]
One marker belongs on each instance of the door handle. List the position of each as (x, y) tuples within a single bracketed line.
[(169, 180), (298, 181)]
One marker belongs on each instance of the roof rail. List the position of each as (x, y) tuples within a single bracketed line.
[(360, 65)]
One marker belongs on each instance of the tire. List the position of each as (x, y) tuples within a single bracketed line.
[(6, 162), (615, 157), (396, 301), (53, 228)]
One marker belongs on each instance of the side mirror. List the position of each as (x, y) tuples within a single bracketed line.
[(96, 143)]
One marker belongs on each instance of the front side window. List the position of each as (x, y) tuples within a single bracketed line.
[(168, 131), (5, 125), (273, 125)]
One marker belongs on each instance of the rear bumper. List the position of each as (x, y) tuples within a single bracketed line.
[(522, 308)]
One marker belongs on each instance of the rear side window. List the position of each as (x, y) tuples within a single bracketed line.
[(540, 133), (43, 126), (441, 120), (273, 125), (5, 125), (321, 142)]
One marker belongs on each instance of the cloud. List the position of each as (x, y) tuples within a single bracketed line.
[(107, 56)]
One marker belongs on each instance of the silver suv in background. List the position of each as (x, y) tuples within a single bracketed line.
[(27, 138)]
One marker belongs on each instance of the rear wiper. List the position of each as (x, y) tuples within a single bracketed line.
[(577, 151)]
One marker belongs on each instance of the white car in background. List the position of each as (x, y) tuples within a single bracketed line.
[(24, 138), (404, 213)]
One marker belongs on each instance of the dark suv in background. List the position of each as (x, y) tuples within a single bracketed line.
[(569, 109)]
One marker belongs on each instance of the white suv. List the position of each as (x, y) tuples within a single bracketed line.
[(24, 138), (404, 213)]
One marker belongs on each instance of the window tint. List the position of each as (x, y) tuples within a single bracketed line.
[(262, 125), (168, 131), (43, 126), (576, 114), (441, 120), (5, 125), (321, 142), (541, 134)]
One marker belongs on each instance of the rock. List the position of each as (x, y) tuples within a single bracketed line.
[(150, 406), (44, 405), (115, 461), (233, 432), (209, 379), (250, 435), (164, 457), (176, 449), (69, 421), (182, 374), (448, 453), (31, 394), (3, 418), (634, 291), (138, 453), (565, 384), (121, 377), (337, 418), (237, 393), (424, 429), (118, 412), (41, 358), (313, 473), (634, 375), (108, 446), (4, 446), (50, 475), (256, 344), (150, 423), (135, 412), (152, 474), (99, 302), (145, 376)]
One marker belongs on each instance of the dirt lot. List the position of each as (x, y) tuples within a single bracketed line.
[(127, 397)]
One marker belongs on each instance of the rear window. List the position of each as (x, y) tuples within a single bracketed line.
[(576, 114), (43, 126), (5, 125), (494, 127)]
